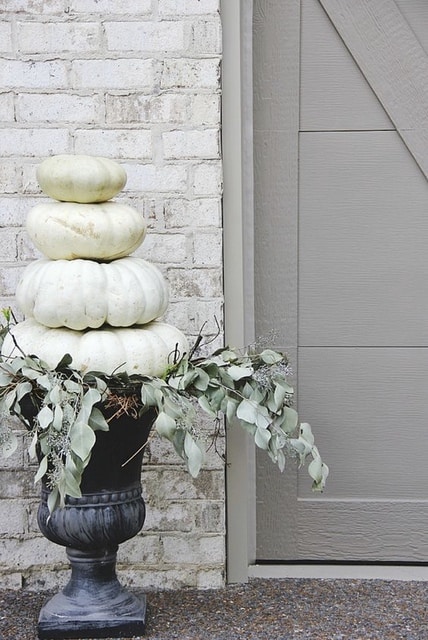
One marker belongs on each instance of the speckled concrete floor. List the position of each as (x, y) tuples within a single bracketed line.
[(288, 609)]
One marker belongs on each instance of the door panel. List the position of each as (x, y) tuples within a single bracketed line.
[(334, 93), (363, 238)]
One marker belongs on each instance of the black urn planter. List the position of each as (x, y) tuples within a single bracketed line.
[(111, 510)]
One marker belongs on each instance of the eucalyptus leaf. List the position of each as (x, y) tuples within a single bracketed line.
[(5, 378), (206, 406), (23, 389), (271, 357), (201, 380), (41, 471), (247, 411), (45, 417), (44, 381), (237, 373), (194, 455), (262, 438), (290, 420), (72, 487), (82, 440), (165, 425), (306, 433), (58, 416), (97, 421), (53, 500)]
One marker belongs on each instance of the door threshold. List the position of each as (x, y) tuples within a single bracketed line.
[(335, 571)]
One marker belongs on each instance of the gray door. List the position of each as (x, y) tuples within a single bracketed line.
[(347, 270)]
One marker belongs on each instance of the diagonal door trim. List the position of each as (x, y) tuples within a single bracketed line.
[(393, 62)]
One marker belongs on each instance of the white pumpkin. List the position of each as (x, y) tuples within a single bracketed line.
[(80, 178), (146, 350), (81, 294), (67, 230)]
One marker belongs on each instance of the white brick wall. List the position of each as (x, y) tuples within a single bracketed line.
[(137, 81)]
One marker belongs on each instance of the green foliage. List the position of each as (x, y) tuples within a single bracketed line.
[(61, 408)]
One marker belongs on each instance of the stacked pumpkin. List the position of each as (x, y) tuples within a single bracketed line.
[(89, 297)]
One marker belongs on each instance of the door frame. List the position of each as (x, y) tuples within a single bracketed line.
[(239, 261), (238, 252)]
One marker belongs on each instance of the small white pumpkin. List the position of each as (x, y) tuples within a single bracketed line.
[(146, 350), (67, 230), (81, 294), (80, 178)]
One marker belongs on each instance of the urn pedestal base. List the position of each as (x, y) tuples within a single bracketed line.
[(110, 511), (93, 604)]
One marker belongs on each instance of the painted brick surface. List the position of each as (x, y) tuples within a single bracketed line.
[(137, 81)]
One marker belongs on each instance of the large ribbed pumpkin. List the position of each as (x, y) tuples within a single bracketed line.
[(80, 178), (67, 230), (81, 294), (146, 350)]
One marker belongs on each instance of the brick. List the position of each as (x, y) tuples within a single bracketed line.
[(148, 178), (12, 581), (176, 516), (158, 578), (188, 7), (144, 548), (63, 37), (203, 212), (205, 109), (195, 283), (208, 249), (33, 142), (15, 484), (37, 7), (109, 7), (191, 144), (207, 550), (13, 518), (5, 37), (207, 179), (191, 316), (168, 108), (210, 579), (177, 484), (8, 245), (210, 517), (7, 112), (46, 577), (9, 277), (16, 74), (205, 37), (57, 108), (10, 175), (22, 553), (145, 36), (30, 184), (163, 248), (184, 73), (122, 143), (127, 73), (13, 211), (26, 249), (161, 452)]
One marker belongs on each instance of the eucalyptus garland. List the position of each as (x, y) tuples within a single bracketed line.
[(62, 410)]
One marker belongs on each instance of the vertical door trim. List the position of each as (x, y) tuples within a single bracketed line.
[(392, 60), (238, 266), (276, 51)]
